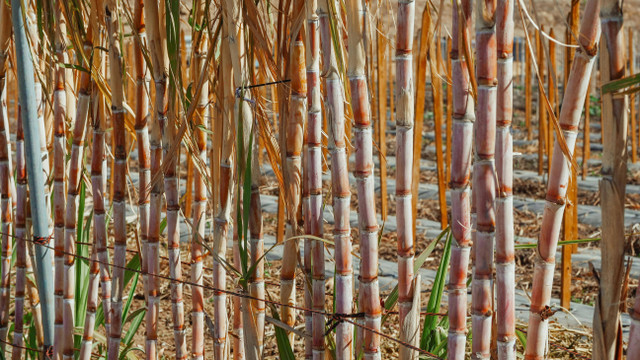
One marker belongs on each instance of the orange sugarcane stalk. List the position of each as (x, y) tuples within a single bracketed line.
[(112, 13), (73, 186), (505, 257), (158, 54), (199, 193), (461, 142), (404, 92), (569, 121), (369, 295), (142, 115), (341, 193), (99, 170), (313, 178), (100, 273), (170, 170), (294, 127), (606, 317), (60, 112), (484, 186)]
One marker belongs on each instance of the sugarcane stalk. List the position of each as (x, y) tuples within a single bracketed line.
[(92, 306), (75, 172), (141, 116), (6, 211), (505, 257), (369, 295), (25, 75), (606, 318), (313, 178), (99, 170), (170, 162), (7, 241), (256, 309), (569, 121), (20, 229), (60, 112), (461, 140), (340, 189), (158, 53), (112, 13), (404, 92), (484, 186), (199, 193), (294, 129)]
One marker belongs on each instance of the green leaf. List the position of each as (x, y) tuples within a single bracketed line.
[(435, 299), (284, 346)]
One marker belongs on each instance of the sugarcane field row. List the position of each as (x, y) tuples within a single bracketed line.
[(319, 179)]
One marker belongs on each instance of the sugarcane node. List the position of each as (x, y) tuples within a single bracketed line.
[(546, 313)]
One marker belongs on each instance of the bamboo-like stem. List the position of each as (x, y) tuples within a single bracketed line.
[(313, 178), (158, 53), (226, 174), (381, 47), (112, 13), (606, 318), (369, 295), (527, 94), (170, 162), (142, 115), (340, 190), (99, 271), (92, 306), (99, 170), (570, 214), (484, 186), (20, 225), (505, 257), (199, 193), (29, 115), (256, 309), (418, 105), (5, 193), (73, 186), (404, 92), (294, 127), (569, 121), (60, 112), (461, 143)]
